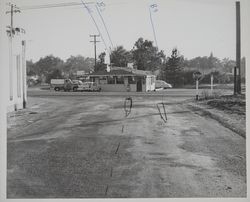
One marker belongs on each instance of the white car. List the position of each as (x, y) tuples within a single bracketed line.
[(88, 86), (159, 84)]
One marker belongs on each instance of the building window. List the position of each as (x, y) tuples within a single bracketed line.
[(103, 80), (119, 80), (131, 80), (111, 79)]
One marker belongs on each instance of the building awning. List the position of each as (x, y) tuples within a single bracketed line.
[(119, 71)]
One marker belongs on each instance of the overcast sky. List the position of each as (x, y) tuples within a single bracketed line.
[(195, 27)]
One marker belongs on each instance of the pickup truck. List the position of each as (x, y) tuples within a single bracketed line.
[(63, 84)]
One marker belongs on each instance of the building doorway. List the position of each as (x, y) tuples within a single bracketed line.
[(139, 84)]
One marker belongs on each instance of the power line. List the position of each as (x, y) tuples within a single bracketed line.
[(54, 5), (46, 6), (104, 25), (85, 6), (152, 24), (58, 5)]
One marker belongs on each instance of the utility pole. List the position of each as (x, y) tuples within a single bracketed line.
[(13, 9), (95, 41), (11, 33), (238, 47)]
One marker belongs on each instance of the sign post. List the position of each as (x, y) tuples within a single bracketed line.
[(197, 76), (197, 89), (212, 83)]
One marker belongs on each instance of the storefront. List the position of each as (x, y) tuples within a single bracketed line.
[(124, 79)]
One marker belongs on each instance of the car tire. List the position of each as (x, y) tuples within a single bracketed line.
[(57, 89)]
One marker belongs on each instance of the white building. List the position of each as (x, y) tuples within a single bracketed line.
[(120, 79), (13, 66), (17, 88)]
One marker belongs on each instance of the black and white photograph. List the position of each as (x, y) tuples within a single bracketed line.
[(124, 99)]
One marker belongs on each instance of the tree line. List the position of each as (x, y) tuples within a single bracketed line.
[(51, 67), (174, 69)]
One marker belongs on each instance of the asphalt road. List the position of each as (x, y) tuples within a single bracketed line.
[(84, 146), (184, 93)]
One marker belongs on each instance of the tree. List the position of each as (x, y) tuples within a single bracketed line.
[(228, 65), (214, 63), (46, 66), (146, 56), (120, 57), (54, 74), (30, 68), (173, 69), (100, 65), (204, 64), (76, 63)]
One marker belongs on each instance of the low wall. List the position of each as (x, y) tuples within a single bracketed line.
[(114, 87)]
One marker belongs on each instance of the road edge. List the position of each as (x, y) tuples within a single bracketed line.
[(223, 121)]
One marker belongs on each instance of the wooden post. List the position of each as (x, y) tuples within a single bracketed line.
[(238, 46), (235, 80), (197, 89), (212, 83), (24, 74)]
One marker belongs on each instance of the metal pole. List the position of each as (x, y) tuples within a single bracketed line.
[(238, 46)]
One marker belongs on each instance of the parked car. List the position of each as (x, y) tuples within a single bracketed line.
[(89, 86), (78, 82), (63, 84), (162, 84)]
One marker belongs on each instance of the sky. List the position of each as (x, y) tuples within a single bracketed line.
[(195, 27)]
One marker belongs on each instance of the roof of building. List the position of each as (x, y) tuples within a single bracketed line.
[(121, 71)]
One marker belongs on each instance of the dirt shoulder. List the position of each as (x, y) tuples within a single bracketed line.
[(230, 111)]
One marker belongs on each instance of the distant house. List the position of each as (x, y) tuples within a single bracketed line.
[(121, 79)]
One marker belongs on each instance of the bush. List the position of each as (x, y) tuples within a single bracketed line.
[(206, 95)]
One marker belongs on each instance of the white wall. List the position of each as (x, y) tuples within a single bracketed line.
[(150, 83), (148, 86), (114, 87), (133, 87), (16, 75), (3, 101)]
